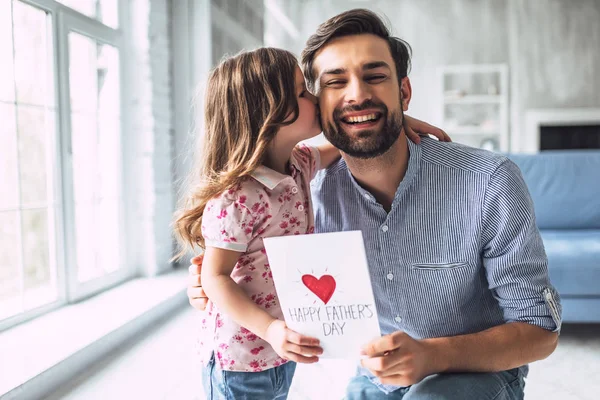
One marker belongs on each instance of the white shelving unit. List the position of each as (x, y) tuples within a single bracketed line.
[(474, 104)]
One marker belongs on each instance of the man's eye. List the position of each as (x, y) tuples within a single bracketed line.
[(375, 78), (335, 83)]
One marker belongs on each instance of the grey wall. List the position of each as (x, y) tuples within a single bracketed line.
[(552, 47), (555, 55)]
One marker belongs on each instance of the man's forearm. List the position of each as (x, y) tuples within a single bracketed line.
[(496, 349)]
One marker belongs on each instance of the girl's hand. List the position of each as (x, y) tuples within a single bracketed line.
[(291, 345), (414, 127)]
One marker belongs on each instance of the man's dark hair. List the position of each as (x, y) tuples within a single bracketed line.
[(354, 22)]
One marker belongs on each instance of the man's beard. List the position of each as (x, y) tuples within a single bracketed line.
[(372, 143)]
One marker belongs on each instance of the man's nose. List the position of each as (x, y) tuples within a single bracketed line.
[(357, 92)]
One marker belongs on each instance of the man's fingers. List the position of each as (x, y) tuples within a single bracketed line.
[(294, 337), (379, 346), (195, 280), (384, 365)]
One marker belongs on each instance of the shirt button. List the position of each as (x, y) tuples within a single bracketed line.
[(367, 196), (398, 319), (294, 190), (300, 207), (384, 228), (390, 276)]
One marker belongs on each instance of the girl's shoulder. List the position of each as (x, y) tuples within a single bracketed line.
[(245, 194)]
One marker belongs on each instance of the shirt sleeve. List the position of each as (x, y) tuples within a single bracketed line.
[(309, 159), (227, 223), (513, 252)]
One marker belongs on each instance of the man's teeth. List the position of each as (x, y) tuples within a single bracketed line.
[(362, 118)]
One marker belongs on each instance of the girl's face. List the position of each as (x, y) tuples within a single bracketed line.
[(308, 123)]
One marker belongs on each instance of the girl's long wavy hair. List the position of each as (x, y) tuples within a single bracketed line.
[(249, 97)]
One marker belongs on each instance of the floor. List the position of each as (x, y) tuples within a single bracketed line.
[(160, 366)]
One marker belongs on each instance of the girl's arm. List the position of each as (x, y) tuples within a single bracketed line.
[(328, 154), (231, 299), (412, 126)]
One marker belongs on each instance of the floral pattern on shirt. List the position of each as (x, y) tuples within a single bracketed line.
[(268, 204)]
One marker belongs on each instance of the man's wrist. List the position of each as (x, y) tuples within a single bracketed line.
[(440, 354)]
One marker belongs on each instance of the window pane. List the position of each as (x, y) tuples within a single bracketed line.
[(33, 55), (38, 282), (105, 11), (10, 282), (35, 126), (7, 83), (95, 135), (9, 189)]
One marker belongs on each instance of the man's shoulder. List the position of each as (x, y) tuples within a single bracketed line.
[(335, 171), (459, 157)]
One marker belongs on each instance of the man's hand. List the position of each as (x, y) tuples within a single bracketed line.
[(398, 359), (291, 345), (195, 293), (414, 127)]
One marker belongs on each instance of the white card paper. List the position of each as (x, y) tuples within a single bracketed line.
[(324, 289)]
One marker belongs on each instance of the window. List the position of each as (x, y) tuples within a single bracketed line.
[(61, 197)]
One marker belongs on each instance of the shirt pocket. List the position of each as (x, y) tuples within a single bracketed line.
[(440, 266), (441, 293)]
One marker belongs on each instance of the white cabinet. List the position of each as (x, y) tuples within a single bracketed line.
[(474, 104)]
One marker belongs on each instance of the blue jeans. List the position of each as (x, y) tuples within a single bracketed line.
[(506, 385), (273, 383)]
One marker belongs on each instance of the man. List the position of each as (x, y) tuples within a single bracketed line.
[(457, 264)]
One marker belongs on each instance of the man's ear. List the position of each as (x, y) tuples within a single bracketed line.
[(405, 92)]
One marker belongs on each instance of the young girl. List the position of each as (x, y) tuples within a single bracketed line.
[(254, 183)]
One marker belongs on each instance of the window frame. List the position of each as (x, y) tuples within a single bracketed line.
[(61, 221)]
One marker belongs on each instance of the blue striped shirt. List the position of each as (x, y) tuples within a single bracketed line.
[(459, 252)]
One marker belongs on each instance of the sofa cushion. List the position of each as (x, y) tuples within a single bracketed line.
[(565, 187), (574, 261)]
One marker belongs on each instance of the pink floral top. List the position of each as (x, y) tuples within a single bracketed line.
[(268, 204)]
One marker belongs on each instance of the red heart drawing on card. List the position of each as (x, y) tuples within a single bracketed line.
[(322, 287)]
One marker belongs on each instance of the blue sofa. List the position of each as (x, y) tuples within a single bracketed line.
[(565, 187)]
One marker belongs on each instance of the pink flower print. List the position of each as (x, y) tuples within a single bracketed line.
[(223, 214), (286, 232), (255, 207), (219, 321), (297, 233), (244, 330), (247, 279), (298, 204), (238, 339), (254, 364), (257, 350), (283, 225), (251, 337), (293, 220), (262, 210), (242, 199), (263, 250), (270, 297), (248, 231), (311, 229)]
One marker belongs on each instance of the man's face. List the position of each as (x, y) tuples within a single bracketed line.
[(359, 95)]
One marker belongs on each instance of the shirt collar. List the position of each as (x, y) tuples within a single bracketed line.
[(271, 178)]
